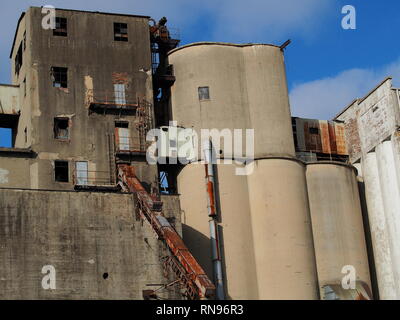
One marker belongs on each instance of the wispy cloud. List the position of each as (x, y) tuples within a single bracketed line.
[(213, 20), (324, 98)]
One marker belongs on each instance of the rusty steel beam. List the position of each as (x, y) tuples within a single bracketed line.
[(151, 209)]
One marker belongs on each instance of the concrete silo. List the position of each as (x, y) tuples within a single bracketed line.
[(337, 223), (282, 233), (267, 237), (379, 229), (237, 242)]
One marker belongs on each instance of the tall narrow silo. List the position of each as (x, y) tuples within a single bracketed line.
[(283, 243), (379, 229), (337, 223)]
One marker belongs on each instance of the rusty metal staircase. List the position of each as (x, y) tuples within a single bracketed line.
[(192, 278)]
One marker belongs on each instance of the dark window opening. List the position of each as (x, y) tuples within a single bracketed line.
[(24, 84), (120, 32), (60, 77), (105, 275), (122, 124), (61, 128), (26, 135), (61, 27), (61, 171), (314, 131), (18, 60), (204, 93)]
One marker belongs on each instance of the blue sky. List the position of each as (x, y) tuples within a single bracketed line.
[(327, 66)]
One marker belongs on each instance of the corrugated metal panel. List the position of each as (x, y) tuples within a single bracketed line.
[(340, 134), (324, 133), (320, 136)]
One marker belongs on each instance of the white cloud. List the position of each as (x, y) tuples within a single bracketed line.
[(324, 98), (256, 21), (213, 20)]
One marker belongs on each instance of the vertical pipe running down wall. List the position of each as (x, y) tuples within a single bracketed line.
[(212, 213)]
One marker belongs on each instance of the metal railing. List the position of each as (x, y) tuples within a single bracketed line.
[(92, 178), (121, 98), (130, 145)]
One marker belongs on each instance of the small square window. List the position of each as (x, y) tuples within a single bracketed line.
[(61, 171), (314, 131), (61, 27), (120, 32), (60, 77), (204, 93), (61, 128)]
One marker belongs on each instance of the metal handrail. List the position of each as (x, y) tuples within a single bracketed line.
[(117, 98), (91, 180)]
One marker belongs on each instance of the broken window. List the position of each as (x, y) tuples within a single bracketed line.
[(60, 77), (121, 124), (61, 128), (314, 131), (61, 171), (204, 93), (120, 32), (18, 60), (61, 27)]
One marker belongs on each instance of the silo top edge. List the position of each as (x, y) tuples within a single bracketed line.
[(338, 163), (202, 43)]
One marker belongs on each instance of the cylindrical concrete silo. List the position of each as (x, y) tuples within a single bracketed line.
[(236, 230), (337, 223), (378, 226), (283, 242), (389, 182), (267, 236), (247, 90)]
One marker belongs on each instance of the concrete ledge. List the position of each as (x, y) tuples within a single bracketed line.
[(16, 152)]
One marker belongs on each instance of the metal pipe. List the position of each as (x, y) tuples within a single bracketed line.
[(212, 213)]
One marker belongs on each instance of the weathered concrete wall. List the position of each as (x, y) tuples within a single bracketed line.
[(372, 134), (14, 172), (95, 63), (84, 236), (371, 120), (9, 99), (172, 211)]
